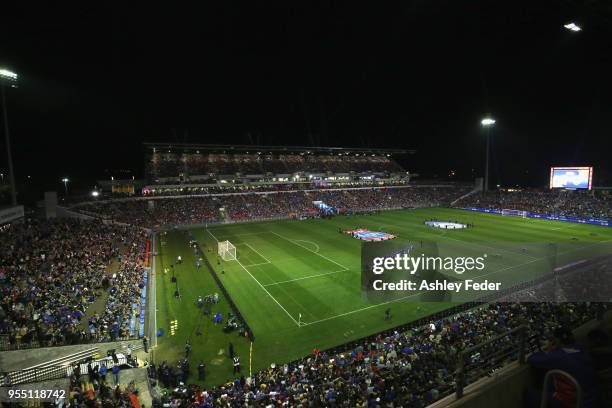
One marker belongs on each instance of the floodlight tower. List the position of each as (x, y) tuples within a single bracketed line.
[(487, 123), (65, 181), (8, 79)]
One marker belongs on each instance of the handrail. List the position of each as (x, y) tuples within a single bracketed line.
[(461, 371)]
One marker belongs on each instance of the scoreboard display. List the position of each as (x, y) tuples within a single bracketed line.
[(571, 177)]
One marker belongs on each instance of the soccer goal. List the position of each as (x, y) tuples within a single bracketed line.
[(227, 251), (516, 213)]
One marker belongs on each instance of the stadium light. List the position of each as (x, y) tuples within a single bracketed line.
[(573, 27), (487, 123), (8, 78), (65, 181)]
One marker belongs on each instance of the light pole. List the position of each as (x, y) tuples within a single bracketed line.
[(487, 123), (8, 78), (65, 180)]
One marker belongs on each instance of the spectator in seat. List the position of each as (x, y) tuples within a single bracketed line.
[(563, 354)]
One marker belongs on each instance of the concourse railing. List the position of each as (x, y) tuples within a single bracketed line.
[(485, 358)]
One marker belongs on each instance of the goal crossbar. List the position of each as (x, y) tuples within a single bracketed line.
[(226, 250)]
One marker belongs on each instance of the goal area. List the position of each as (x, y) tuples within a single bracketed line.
[(516, 213), (227, 251)]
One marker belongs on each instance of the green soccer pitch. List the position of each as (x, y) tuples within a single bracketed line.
[(290, 268)]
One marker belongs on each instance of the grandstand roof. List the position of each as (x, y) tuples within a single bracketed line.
[(269, 149)]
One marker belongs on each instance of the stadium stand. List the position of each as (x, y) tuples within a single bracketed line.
[(193, 162), (51, 292), (582, 204), (242, 207), (413, 367), (69, 281)]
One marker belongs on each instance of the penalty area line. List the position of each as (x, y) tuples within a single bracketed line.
[(257, 264), (269, 294), (261, 286), (258, 253), (306, 277)]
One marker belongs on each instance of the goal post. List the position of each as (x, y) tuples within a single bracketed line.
[(227, 251), (516, 213)]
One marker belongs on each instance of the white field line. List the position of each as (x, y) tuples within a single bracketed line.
[(257, 252), (470, 243), (539, 259), (406, 297), (250, 233), (359, 310), (390, 301), (262, 286), (257, 264), (306, 277), (211, 234), (310, 250), (269, 294), (310, 242), (253, 249)]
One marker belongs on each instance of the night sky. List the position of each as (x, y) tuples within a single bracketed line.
[(96, 83)]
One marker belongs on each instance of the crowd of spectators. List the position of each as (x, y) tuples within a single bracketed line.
[(169, 164), (592, 282), (242, 207), (187, 188), (384, 198), (254, 206), (99, 390), (581, 204), (50, 275), (156, 213), (410, 367), (51, 272)]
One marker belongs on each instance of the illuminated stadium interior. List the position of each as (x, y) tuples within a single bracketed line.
[(306, 205)]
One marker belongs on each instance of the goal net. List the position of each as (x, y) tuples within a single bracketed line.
[(516, 213), (227, 251)]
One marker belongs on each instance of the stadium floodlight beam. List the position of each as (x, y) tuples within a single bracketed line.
[(487, 123), (8, 78), (571, 26)]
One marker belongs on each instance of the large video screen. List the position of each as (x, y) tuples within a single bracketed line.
[(571, 177)]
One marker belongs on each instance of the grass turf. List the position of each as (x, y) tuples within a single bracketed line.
[(287, 268)]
